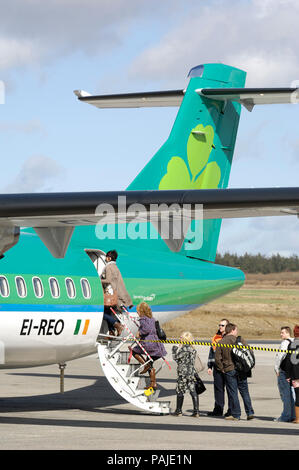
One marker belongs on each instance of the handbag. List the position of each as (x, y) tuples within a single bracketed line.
[(110, 297), (199, 385), (198, 365), (160, 332)]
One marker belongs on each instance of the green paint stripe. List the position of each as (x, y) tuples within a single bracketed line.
[(78, 324)]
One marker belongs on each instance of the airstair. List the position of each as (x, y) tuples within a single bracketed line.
[(121, 371)]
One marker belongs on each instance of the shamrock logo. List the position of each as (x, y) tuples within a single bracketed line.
[(199, 174)]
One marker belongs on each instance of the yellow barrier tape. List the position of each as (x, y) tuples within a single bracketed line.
[(207, 343)]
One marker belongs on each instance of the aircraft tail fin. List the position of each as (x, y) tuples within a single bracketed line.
[(199, 150)]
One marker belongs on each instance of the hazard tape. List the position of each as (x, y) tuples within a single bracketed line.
[(208, 343)]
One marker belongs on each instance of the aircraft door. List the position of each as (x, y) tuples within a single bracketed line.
[(98, 258)]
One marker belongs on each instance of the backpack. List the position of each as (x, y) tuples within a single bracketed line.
[(284, 362), (243, 358), (160, 332)]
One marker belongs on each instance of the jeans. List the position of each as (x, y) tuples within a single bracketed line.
[(231, 382), (243, 389), (286, 395)]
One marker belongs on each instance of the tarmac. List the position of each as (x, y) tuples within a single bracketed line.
[(90, 415)]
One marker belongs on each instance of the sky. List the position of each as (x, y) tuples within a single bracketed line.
[(52, 142)]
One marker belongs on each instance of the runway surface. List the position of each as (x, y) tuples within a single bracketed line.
[(89, 415)]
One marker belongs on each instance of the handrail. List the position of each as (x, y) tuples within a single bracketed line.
[(127, 328)]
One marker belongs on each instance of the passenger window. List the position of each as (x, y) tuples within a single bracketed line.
[(21, 286), (4, 287), (70, 287), (38, 287), (86, 290), (54, 287)]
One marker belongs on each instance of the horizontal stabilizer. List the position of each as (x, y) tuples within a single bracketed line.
[(249, 97), (134, 100)]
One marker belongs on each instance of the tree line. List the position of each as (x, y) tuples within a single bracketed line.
[(259, 263)]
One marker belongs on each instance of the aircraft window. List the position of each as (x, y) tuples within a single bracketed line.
[(70, 287), (4, 287), (86, 290), (21, 286), (38, 287), (54, 286)]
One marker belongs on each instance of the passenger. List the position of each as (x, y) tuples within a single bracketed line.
[(149, 341), (224, 363), (284, 386), (234, 381), (112, 321), (115, 292), (219, 380), (292, 369), (185, 356)]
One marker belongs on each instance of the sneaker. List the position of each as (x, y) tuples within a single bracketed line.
[(232, 418), (249, 417)]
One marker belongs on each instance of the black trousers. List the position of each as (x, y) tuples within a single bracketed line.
[(219, 390)]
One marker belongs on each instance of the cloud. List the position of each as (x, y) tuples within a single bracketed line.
[(28, 127), (35, 175), (274, 234), (36, 31), (257, 36), (18, 52)]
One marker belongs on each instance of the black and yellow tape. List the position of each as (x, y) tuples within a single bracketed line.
[(209, 343)]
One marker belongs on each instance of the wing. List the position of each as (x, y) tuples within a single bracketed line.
[(54, 215)]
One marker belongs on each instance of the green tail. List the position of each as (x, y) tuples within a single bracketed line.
[(199, 151)]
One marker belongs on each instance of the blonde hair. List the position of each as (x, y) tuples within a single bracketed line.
[(144, 309), (187, 336)]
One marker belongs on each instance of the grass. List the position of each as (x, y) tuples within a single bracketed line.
[(259, 308)]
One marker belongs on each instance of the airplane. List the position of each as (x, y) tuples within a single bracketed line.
[(53, 245)]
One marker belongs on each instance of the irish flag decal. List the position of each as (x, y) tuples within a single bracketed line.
[(82, 330)]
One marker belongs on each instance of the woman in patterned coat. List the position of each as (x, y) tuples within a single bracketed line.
[(185, 356)]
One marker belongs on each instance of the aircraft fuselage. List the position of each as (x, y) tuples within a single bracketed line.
[(52, 309)]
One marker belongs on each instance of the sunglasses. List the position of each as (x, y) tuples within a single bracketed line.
[(220, 324)]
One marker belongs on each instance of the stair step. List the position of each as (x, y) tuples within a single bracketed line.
[(125, 377), (130, 386), (154, 396)]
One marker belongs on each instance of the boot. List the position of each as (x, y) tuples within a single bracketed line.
[(142, 361), (146, 368), (194, 397), (139, 358), (153, 383), (118, 328), (296, 420), (179, 404)]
